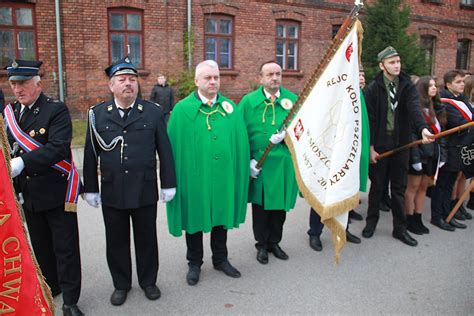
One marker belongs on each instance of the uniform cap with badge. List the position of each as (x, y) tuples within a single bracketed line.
[(387, 52), (20, 70), (122, 66)]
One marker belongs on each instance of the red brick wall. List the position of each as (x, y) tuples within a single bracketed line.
[(86, 54)]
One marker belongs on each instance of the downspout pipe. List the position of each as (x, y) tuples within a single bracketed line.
[(190, 57), (60, 52)]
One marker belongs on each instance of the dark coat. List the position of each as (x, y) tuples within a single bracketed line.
[(131, 183), (43, 187), (2, 100), (163, 95), (457, 140), (408, 109)]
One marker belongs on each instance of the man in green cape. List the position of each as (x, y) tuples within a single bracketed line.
[(210, 146), (273, 191)]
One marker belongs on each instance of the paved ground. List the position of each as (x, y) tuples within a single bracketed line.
[(379, 276)]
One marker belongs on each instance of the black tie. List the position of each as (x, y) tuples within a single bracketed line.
[(392, 90), (125, 113), (23, 115)]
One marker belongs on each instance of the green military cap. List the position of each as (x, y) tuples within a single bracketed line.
[(388, 52)]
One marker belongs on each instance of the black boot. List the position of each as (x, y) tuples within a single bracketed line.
[(411, 225), (470, 204), (459, 215), (419, 224), (464, 212)]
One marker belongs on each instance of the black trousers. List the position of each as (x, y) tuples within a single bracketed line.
[(315, 225), (117, 234), (55, 239), (267, 226), (441, 194), (397, 166), (195, 250)]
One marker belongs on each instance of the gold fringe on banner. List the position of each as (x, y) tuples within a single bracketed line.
[(42, 282)]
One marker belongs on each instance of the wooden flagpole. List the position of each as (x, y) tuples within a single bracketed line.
[(460, 201), (419, 142), (337, 41)]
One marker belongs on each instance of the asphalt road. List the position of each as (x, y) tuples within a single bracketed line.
[(379, 276)]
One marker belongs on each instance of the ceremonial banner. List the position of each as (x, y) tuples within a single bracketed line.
[(324, 138), (23, 292)]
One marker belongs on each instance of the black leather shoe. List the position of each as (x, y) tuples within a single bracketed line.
[(368, 231), (278, 252), (355, 216), (228, 269), (443, 225), (405, 238), (315, 243), (262, 256), (72, 310), (118, 297), (456, 224), (459, 216), (464, 212), (193, 275), (152, 292), (352, 238)]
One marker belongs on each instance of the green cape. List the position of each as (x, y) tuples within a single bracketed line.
[(212, 166), (276, 187)]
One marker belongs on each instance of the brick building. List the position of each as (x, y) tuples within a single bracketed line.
[(239, 34)]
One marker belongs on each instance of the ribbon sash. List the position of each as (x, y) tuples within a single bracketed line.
[(65, 166), (460, 106)]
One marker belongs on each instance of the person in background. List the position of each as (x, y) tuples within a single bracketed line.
[(469, 92), (459, 112), (163, 95), (123, 137), (425, 159)]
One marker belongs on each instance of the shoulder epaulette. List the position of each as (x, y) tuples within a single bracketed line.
[(49, 99), (103, 102)]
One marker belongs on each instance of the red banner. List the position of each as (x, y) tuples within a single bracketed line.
[(22, 289)]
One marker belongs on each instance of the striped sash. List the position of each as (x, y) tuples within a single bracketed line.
[(460, 106), (65, 166)]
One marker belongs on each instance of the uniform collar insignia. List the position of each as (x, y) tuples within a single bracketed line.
[(109, 108), (140, 108)]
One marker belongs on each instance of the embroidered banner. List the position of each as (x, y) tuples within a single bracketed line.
[(23, 291), (325, 139)]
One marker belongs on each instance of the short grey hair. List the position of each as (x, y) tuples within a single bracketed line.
[(36, 79), (210, 63)]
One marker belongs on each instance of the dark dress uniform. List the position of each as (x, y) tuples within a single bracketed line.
[(2, 100), (129, 184), (53, 231)]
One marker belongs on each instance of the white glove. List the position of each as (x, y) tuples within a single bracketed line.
[(441, 164), (417, 166), (167, 195), (253, 169), (278, 137), (17, 165), (93, 199)]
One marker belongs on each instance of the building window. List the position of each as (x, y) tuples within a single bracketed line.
[(287, 44), (126, 35), (428, 44), (433, 1), (335, 29), (17, 32), (462, 54), (219, 30)]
